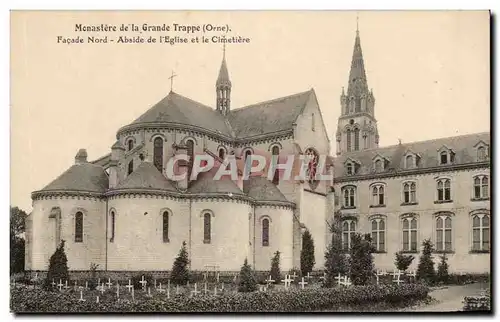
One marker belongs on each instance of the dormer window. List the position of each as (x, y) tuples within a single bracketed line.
[(446, 156), (378, 166), (410, 162), (482, 154), (379, 163), (443, 157), (351, 167)]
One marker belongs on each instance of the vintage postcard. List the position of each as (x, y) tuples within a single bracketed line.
[(237, 161)]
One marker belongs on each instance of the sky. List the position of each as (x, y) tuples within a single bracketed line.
[(429, 72)]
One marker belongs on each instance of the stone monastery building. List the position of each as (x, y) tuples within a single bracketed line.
[(122, 213)]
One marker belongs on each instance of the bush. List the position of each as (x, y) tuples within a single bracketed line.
[(247, 281), (335, 258), (403, 261), (275, 268), (180, 270), (442, 272), (425, 270), (307, 254), (58, 267), (312, 299), (361, 259)]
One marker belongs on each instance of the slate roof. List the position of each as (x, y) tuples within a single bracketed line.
[(463, 146), (146, 176), (270, 116), (102, 161), (86, 177), (261, 189), (205, 184), (176, 108)]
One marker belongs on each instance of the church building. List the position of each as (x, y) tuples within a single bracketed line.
[(123, 213)]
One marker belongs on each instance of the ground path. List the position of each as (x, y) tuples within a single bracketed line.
[(450, 298)]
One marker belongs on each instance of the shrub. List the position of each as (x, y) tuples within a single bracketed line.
[(247, 281), (442, 271), (403, 261), (58, 267), (180, 270), (275, 268), (135, 280), (311, 299), (307, 254), (335, 258), (425, 270), (361, 259)]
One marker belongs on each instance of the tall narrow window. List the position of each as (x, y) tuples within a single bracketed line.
[(313, 125), (443, 233), (349, 199), (130, 144), (444, 190), (378, 166), (444, 157), (158, 153), (113, 223), (481, 187), (312, 167), (248, 161), (207, 235), (349, 169), (130, 167), (356, 139), (481, 154), (409, 162), (222, 153), (481, 232), (276, 176), (79, 227), (166, 219), (409, 192), (265, 232), (410, 234), (348, 230), (349, 144), (378, 195), (378, 234), (357, 101), (190, 153)]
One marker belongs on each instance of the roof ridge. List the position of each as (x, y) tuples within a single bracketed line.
[(192, 100), (437, 139), (270, 101)]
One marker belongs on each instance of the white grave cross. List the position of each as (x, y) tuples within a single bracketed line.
[(269, 280), (287, 281), (81, 299), (339, 279), (109, 284), (302, 283), (60, 285), (129, 286), (143, 283), (195, 291)]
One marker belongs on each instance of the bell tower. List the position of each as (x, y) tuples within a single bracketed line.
[(357, 126), (223, 87)]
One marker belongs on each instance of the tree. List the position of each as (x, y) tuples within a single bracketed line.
[(247, 279), (335, 257), (403, 261), (442, 271), (275, 267), (180, 271), (17, 244), (425, 270), (307, 253), (361, 259), (58, 267)]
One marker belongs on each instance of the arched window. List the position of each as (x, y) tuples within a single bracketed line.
[(378, 234), (444, 190), (79, 227), (481, 187), (130, 144), (378, 166), (481, 154), (312, 158), (276, 176), (409, 162), (356, 139), (130, 167), (349, 143), (378, 195), (409, 192), (481, 232), (265, 232), (410, 234), (348, 230), (349, 200), (158, 153), (165, 221), (207, 235), (113, 227), (443, 233), (190, 153), (222, 153), (248, 161)]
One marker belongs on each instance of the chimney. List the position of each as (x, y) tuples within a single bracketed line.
[(81, 157)]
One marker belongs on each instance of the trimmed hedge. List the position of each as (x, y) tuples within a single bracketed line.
[(37, 300)]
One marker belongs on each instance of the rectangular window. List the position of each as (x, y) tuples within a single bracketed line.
[(79, 227)]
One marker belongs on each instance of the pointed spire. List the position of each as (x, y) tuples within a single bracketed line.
[(223, 78), (223, 87), (357, 76)]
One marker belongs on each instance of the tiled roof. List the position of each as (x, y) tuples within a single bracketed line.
[(463, 146), (81, 177), (176, 108), (102, 161), (146, 176), (267, 117), (261, 189), (205, 184)]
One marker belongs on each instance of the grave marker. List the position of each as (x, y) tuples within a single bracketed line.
[(339, 279), (195, 291), (60, 285), (269, 280), (302, 283), (160, 289), (287, 281), (109, 284), (81, 297), (129, 286), (143, 283)]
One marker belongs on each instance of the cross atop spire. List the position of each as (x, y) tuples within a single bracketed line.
[(172, 80), (357, 23)]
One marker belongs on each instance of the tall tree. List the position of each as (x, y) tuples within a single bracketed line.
[(180, 270), (17, 244), (425, 270), (275, 267), (361, 259), (307, 253), (335, 258), (58, 267), (247, 279)]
